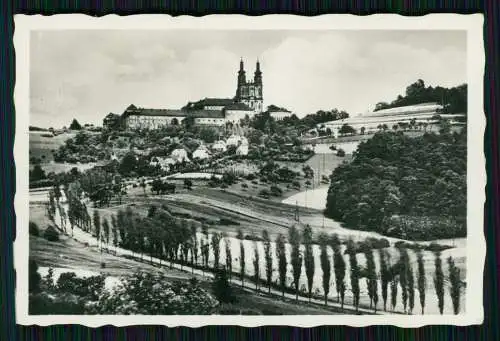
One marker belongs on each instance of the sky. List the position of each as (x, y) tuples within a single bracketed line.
[(87, 74)]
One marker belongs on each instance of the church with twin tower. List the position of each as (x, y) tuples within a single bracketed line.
[(250, 92)]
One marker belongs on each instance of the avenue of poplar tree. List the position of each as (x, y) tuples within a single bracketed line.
[(163, 236)]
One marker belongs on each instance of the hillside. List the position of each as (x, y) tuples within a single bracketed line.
[(414, 188)]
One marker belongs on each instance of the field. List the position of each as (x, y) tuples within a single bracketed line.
[(42, 147), (71, 254)]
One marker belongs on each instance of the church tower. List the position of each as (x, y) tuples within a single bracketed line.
[(250, 92)]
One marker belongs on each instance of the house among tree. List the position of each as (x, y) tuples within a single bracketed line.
[(201, 153), (278, 113), (180, 155), (242, 150), (164, 162), (233, 140), (219, 146)]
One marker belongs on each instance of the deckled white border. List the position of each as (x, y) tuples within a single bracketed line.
[(476, 180)]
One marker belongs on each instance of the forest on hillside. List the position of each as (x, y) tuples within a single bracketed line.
[(412, 188), (454, 99)]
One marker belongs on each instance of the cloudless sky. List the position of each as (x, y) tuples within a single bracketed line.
[(86, 74)]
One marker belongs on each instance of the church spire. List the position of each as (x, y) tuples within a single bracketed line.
[(258, 74), (241, 64)]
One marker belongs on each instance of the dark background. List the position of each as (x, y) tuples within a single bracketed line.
[(491, 10)]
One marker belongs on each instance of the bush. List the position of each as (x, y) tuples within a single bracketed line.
[(33, 229), (340, 152), (221, 287), (250, 177), (372, 244), (244, 185), (34, 277), (88, 287), (51, 234), (264, 193), (225, 221), (276, 191), (253, 238)]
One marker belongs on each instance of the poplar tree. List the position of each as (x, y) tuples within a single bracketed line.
[(194, 244), (455, 283), (394, 291), (325, 265), (105, 230), (114, 231), (422, 281), (242, 258), (385, 275), (340, 269), (216, 238), (308, 257), (296, 258), (97, 226), (229, 257), (256, 266), (353, 262), (411, 289), (268, 258), (439, 281), (404, 265), (371, 279), (282, 262)]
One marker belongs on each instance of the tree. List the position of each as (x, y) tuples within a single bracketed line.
[(75, 125), (325, 265), (394, 291), (363, 129), (34, 277), (455, 283), (371, 278), (308, 257), (242, 257), (229, 257), (188, 122), (97, 226), (385, 274), (411, 289), (106, 230), (256, 266), (421, 281), (216, 238), (37, 173), (221, 287), (439, 281), (404, 264), (340, 268), (282, 262), (353, 262), (194, 251), (188, 184), (346, 129), (268, 258), (296, 258)]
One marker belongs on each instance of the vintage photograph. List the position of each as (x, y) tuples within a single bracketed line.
[(281, 171)]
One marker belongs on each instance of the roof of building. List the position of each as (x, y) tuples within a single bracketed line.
[(216, 101), (133, 110), (237, 106)]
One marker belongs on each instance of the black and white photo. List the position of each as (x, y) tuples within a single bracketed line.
[(180, 170)]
